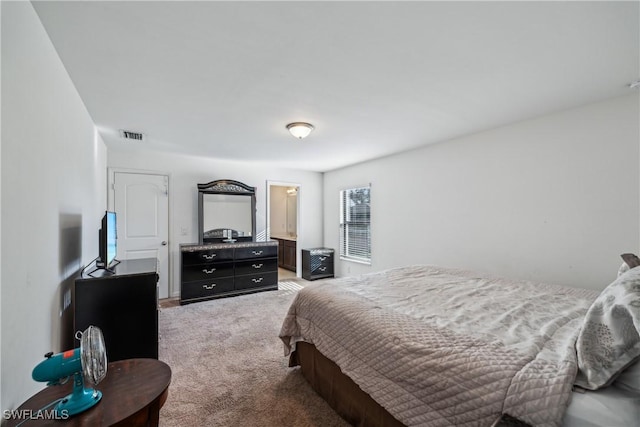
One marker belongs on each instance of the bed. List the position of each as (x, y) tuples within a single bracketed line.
[(433, 346)]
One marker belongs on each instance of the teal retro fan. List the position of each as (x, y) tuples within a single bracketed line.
[(87, 362)]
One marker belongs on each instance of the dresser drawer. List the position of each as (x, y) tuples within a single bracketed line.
[(321, 268), (206, 288), (211, 255), (321, 260), (257, 252), (209, 271), (256, 266), (256, 280)]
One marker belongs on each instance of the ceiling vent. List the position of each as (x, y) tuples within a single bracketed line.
[(134, 136)]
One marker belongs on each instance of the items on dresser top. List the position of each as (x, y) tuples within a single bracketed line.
[(227, 269), (317, 263)]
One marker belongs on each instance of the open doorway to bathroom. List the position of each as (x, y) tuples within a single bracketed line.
[(283, 225)]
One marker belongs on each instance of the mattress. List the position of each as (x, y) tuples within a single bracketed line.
[(609, 407), (437, 346)]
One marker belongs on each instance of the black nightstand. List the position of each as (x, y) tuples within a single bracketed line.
[(317, 263)]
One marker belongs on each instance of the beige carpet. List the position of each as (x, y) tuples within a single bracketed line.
[(228, 367)]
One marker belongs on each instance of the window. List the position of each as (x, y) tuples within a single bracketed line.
[(355, 224)]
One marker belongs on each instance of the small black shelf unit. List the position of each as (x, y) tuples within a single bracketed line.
[(317, 263)]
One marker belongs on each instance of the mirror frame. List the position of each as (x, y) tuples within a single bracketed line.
[(226, 186)]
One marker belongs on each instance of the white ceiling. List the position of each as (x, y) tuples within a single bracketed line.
[(222, 79)]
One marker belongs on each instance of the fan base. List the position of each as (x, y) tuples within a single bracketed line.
[(76, 403)]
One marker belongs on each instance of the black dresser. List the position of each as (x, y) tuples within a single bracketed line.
[(124, 305), (317, 263), (227, 269)]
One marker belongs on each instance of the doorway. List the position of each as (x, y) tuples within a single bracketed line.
[(141, 203), (283, 225)]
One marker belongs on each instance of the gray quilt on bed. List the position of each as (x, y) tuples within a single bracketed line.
[(442, 347)]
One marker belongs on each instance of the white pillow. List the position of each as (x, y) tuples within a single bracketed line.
[(629, 379), (609, 339)]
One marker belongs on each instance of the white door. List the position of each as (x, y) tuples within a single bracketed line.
[(141, 203)]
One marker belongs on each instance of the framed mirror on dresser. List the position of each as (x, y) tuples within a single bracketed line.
[(227, 260), (226, 207)]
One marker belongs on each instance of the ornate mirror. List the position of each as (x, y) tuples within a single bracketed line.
[(226, 212)]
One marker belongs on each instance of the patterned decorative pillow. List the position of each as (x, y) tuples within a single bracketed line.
[(610, 336)]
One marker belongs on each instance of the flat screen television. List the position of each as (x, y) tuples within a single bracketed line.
[(108, 239)]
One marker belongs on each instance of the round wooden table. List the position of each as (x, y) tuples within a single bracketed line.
[(133, 392)]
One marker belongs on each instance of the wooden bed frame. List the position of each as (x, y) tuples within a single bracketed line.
[(338, 390), (346, 397)]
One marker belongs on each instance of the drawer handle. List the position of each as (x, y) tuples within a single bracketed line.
[(257, 252), (212, 256), (322, 258), (204, 270), (322, 268), (257, 266), (209, 287), (258, 280)]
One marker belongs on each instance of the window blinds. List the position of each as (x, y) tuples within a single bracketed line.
[(355, 224)]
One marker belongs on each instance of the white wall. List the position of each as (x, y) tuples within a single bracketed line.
[(278, 214), (53, 197), (553, 199), (1, 407), (187, 171)]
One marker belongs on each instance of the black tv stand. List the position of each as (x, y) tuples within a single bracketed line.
[(124, 305)]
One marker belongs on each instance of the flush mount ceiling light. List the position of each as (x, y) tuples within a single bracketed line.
[(300, 129), (634, 85)]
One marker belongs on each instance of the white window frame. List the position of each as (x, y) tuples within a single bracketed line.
[(360, 251)]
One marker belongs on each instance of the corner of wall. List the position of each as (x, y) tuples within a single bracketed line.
[(42, 96), (1, 407)]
